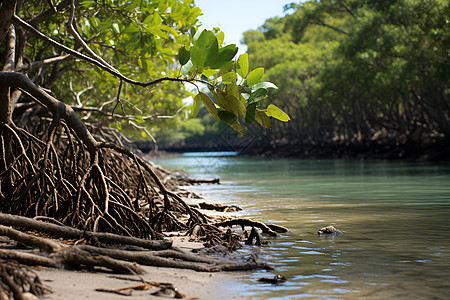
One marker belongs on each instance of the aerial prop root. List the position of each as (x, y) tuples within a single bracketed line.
[(121, 261)]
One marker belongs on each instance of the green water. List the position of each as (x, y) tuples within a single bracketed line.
[(395, 217)]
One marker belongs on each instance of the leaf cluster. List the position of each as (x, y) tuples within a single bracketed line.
[(233, 91)]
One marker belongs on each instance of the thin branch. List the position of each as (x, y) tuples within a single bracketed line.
[(83, 44), (9, 62), (18, 21), (322, 23), (347, 9), (45, 62)]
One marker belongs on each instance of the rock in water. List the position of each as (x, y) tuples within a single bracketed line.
[(275, 280), (329, 230)]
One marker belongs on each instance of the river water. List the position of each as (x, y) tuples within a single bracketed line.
[(395, 217)]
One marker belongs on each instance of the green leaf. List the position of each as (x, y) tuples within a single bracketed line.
[(196, 106), (220, 37), (233, 90), (225, 55), (186, 68), (275, 112), (139, 119), (116, 28), (255, 76), (229, 77), (257, 96), (231, 120), (119, 125), (205, 50), (243, 65), (230, 103), (156, 20), (264, 85), (209, 73), (192, 33), (226, 116), (263, 119), (169, 29), (209, 104), (183, 56), (250, 114)]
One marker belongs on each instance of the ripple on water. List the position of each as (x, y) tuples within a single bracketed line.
[(335, 280), (312, 252), (302, 277)]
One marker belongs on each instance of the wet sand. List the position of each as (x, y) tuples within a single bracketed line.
[(74, 285)]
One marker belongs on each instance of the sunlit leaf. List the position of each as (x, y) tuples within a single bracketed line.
[(139, 119), (275, 112), (220, 37), (229, 77), (243, 66), (196, 106), (264, 85), (205, 49), (186, 68), (255, 76), (116, 28)]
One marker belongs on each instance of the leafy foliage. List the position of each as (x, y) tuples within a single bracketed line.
[(148, 42), (358, 71), (232, 90)]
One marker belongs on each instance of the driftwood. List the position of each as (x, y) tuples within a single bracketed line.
[(73, 233), (274, 280), (55, 254), (253, 238), (218, 207), (164, 289), (269, 229)]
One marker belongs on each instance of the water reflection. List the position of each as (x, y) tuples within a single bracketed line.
[(395, 217)]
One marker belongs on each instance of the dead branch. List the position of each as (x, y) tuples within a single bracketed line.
[(244, 222), (218, 207), (68, 232)]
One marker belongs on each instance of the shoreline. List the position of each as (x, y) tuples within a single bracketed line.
[(374, 150), (82, 284), (74, 285)]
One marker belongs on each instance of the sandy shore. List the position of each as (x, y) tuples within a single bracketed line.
[(74, 285)]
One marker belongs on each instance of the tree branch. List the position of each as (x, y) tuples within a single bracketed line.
[(10, 55), (18, 21), (45, 62), (18, 80), (73, 233), (6, 14)]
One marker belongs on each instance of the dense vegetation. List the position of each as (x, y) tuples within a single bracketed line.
[(358, 77), (371, 74), (76, 78), (76, 75)]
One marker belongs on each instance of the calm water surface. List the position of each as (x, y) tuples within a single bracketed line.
[(395, 217)]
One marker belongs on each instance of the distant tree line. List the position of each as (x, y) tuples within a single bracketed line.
[(366, 76)]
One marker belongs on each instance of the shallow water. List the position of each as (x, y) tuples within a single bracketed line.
[(395, 217)]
